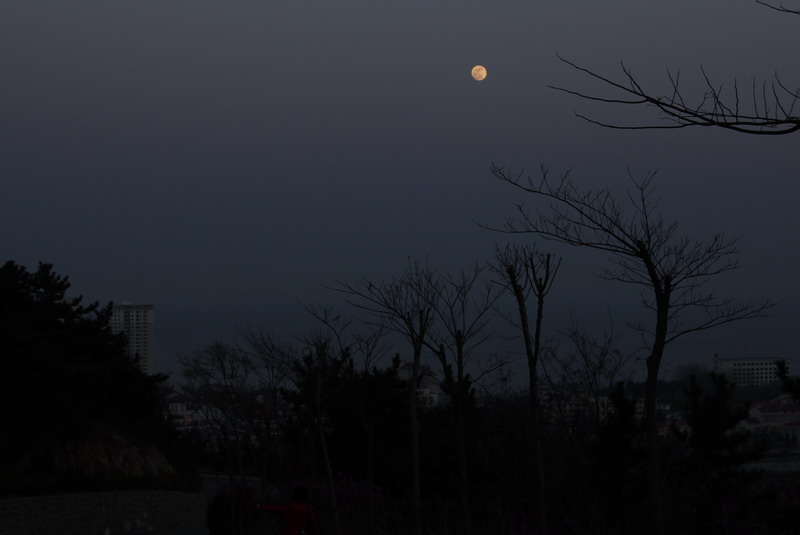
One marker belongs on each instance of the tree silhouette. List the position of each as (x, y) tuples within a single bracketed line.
[(369, 434), (581, 376), (523, 270), (64, 376), (462, 307), (647, 252), (317, 374), (707, 476), (616, 458), (406, 304), (220, 382), (711, 417), (791, 384)]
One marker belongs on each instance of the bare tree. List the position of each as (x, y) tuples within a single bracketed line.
[(523, 270), (646, 251), (406, 305), (316, 373), (272, 369), (581, 376), (319, 370), (462, 307), (368, 345), (765, 108), (219, 382)]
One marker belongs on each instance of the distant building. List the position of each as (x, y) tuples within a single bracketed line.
[(778, 422), (750, 372), (136, 321), (574, 407), (429, 389), (180, 411)]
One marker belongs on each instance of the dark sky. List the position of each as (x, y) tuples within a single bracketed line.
[(221, 160)]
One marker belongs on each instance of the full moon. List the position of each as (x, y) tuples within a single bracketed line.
[(479, 72)]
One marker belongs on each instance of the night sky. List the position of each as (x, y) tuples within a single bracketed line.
[(223, 160)]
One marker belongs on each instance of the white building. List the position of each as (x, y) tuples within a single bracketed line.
[(429, 389), (778, 421), (750, 372), (136, 321), (181, 412)]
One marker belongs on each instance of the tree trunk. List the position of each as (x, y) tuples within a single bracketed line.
[(416, 498), (466, 521), (369, 446), (461, 391), (370, 479), (651, 445), (329, 472), (323, 444), (532, 354), (536, 431), (651, 417)]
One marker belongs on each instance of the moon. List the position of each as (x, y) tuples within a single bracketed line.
[(479, 72)]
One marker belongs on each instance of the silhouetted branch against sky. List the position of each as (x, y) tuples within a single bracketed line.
[(398, 302), (462, 306), (522, 270), (371, 344), (273, 359), (771, 108), (330, 324), (646, 250), (779, 7)]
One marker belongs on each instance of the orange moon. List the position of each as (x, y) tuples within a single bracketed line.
[(479, 72)]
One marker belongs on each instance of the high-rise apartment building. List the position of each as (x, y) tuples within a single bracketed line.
[(136, 321), (750, 372)]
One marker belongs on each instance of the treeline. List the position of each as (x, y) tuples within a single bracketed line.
[(76, 412), (345, 411), (569, 451), (572, 481), (338, 411)]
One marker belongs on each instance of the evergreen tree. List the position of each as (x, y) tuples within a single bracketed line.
[(64, 376)]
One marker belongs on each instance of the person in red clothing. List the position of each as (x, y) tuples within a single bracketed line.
[(299, 518)]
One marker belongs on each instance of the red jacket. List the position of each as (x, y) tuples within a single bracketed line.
[(298, 517)]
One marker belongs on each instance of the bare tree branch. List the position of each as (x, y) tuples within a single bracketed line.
[(774, 115), (406, 305), (523, 270), (646, 251), (779, 7)]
